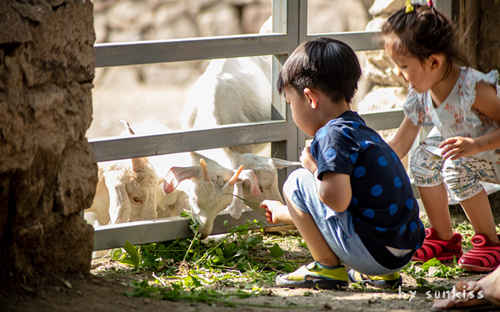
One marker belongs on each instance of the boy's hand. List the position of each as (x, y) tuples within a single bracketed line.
[(457, 147), (272, 208), (307, 160)]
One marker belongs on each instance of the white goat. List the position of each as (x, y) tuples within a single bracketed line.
[(261, 172), (131, 190), (148, 188), (238, 90), (232, 90), (210, 191)]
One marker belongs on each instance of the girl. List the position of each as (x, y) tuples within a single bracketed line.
[(463, 104)]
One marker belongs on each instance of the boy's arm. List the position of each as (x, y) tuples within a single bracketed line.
[(404, 138), (487, 103), (335, 190)]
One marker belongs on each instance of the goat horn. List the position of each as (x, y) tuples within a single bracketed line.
[(235, 176), (127, 124), (203, 165)]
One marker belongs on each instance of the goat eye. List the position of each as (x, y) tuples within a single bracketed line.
[(137, 200)]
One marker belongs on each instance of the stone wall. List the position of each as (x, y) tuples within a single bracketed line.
[(478, 29), (47, 171), (480, 39)]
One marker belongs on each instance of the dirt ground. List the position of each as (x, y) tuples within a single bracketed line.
[(105, 287), (92, 293)]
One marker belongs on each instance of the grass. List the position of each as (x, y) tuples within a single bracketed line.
[(237, 265), (244, 263)]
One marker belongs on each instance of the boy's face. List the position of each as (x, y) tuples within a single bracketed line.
[(302, 112)]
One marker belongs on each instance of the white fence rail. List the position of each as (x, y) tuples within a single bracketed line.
[(290, 29)]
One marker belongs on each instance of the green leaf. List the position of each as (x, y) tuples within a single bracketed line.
[(133, 255), (430, 263), (116, 254), (276, 251)]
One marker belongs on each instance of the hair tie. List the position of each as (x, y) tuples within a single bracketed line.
[(409, 7), (430, 4)]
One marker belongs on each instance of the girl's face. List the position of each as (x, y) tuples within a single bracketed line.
[(416, 72)]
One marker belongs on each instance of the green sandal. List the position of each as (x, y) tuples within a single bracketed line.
[(315, 275), (393, 280)]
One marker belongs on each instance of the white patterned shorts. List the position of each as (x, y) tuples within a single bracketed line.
[(461, 176)]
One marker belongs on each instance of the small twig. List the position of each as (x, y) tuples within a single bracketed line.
[(162, 282), (246, 201)]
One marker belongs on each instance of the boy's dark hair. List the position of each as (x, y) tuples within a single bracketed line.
[(423, 32), (328, 65)]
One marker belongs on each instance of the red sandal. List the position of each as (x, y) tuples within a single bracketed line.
[(483, 257), (443, 250)]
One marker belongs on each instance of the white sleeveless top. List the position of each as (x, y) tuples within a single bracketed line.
[(455, 116)]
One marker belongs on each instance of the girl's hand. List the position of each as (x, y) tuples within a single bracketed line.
[(307, 160), (457, 147)]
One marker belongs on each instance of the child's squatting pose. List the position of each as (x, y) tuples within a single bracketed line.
[(352, 202), (463, 105)]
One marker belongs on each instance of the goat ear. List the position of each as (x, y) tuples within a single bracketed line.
[(249, 176), (282, 163), (180, 174), (169, 184), (140, 163)]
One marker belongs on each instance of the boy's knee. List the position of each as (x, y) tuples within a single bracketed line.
[(296, 181)]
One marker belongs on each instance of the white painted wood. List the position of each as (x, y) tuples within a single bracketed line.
[(186, 141), (143, 232), (174, 50), (190, 140)]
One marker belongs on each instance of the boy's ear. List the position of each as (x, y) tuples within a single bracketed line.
[(312, 97)]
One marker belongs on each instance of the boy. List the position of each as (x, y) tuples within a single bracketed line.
[(352, 202)]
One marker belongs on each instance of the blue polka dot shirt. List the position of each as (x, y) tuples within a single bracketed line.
[(383, 207)]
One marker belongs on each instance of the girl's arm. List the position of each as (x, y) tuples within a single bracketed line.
[(335, 191), (404, 138), (487, 103)]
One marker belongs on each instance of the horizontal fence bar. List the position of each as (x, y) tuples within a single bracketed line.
[(190, 140), (143, 232), (195, 140), (384, 120), (175, 50), (359, 41)]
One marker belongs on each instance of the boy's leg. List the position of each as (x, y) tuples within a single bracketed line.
[(276, 212), (304, 209), (320, 251)]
